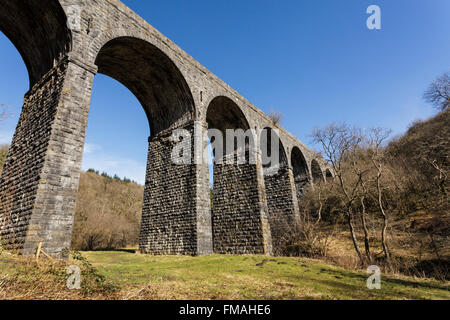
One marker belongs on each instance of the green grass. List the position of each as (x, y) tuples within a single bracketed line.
[(250, 277), (139, 276)]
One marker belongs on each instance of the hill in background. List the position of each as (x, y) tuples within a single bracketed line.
[(108, 213), (425, 141)]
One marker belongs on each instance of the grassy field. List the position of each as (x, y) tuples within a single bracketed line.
[(251, 277), (137, 276)]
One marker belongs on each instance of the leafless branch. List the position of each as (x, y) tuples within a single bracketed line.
[(438, 94), (276, 117)]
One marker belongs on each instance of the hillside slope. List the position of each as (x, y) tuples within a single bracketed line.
[(108, 213), (429, 139)]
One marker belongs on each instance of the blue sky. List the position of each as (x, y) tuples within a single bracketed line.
[(314, 61)]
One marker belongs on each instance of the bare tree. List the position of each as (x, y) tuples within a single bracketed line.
[(363, 214), (276, 117), (441, 174), (377, 138), (358, 166), (338, 141), (438, 94), (439, 205)]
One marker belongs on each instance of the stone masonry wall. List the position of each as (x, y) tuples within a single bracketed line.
[(39, 183), (301, 184), (54, 208), (170, 212), (237, 225), (280, 204), (26, 158)]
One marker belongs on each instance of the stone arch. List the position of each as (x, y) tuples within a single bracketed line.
[(328, 175), (38, 29), (152, 77), (316, 172), (237, 222), (100, 38), (266, 136), (170, 224), (223, 113), (169, 227), (300, 171)]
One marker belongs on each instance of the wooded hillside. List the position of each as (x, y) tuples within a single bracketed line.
[(108, 212)]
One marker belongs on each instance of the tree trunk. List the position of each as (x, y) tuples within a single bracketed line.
[(319, 212), (352, 233), (387, 254), (435, 248), (366, 231)]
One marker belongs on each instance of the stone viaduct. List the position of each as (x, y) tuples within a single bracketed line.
[(64, 44)]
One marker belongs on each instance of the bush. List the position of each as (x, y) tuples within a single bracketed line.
[(93, 282), (297, 238)]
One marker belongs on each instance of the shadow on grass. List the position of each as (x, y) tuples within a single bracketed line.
[(351, 290), (388, 279), (115, 250)]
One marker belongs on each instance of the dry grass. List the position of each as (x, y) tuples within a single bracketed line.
[(124, 275), (23, 279), (412, 250)]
